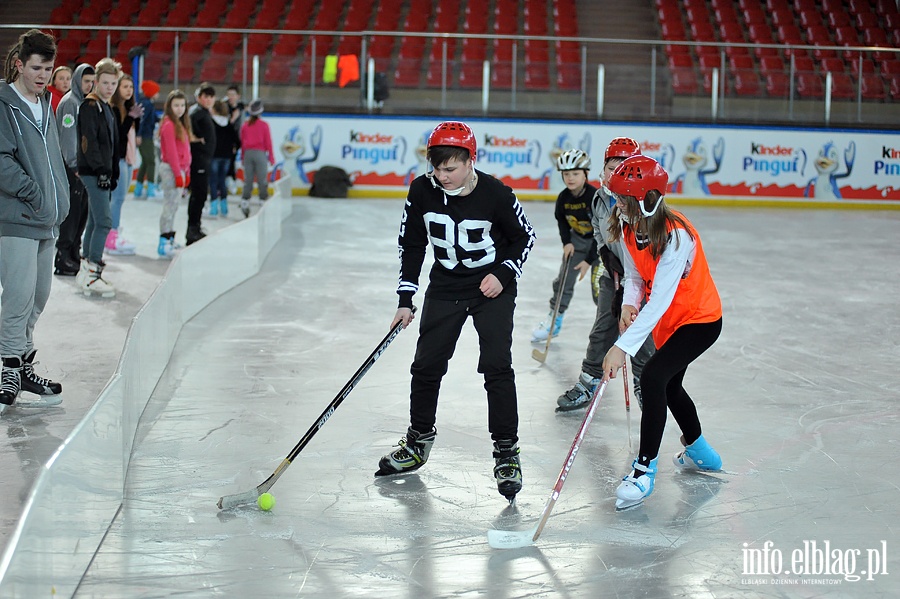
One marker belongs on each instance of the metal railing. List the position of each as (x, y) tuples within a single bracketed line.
[(609, 90)]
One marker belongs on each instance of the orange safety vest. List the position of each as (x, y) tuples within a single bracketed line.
[(696, 298)]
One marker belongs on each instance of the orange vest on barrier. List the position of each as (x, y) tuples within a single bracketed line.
[(696, 298)]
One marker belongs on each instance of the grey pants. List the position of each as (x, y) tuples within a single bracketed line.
[(26, 270), (171, 197), (582, 247), (604, 334), (255, 163)]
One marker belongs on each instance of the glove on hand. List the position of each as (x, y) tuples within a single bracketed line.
[(104, 181)]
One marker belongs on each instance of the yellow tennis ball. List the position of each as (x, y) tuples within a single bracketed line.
[(265, 502)]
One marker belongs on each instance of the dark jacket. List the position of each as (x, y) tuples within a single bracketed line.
[(147, 122), (205, 130), (98, 138), (227, 141), (34, 190), (124, 127)]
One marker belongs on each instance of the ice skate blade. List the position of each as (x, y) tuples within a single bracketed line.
[(511, 539), (623, 505), (560, 409), (382, 471), (45, 401)]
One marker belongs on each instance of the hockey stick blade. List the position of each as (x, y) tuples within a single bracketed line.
[(248, 497), (509, 539)]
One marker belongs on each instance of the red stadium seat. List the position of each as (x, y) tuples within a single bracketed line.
[(746, 84), (684, 82), (872, 87), (809, 85), (842, 86), (777, 85)]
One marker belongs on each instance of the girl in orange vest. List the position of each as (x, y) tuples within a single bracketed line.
[(664, 262)]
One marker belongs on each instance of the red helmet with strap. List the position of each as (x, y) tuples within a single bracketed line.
[(454, 133), (635, 177), (622, 147)]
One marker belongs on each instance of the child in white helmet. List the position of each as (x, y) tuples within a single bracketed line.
[(573, 217)]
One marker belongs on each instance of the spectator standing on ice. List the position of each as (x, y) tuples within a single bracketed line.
[(258, 154), (98, 167), (128, 115), (203, 146), (68, 246), (145, 142), (60, 84), (34, 200), (174, 166)]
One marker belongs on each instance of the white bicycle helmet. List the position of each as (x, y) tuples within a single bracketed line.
[(573, 160)]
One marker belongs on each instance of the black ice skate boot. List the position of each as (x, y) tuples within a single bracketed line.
[(411, 454), (507, 469), (33, 383), (10, 380)]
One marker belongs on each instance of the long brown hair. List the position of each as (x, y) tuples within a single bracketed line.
[(183, 124), (121, 104), (656, 228)]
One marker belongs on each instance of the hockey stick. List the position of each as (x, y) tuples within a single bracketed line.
[(537, 354), (515, 539), (230, 501), (627, 401)]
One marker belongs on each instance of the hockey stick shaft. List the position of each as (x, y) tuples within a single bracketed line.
[(570, 459), (537, 354), (627, 401), (250, 496)]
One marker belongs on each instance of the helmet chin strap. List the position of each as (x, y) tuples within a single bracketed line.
[(655, 207), (437, 185)]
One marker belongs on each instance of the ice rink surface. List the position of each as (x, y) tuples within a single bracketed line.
[(799, 396)]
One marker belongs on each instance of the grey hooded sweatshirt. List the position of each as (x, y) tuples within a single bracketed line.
[(34, 190), (67, 118)]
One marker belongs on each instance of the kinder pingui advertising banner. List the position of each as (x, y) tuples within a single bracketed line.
[(383, 154)]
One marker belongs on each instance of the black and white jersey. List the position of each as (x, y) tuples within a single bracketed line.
[(485, 232)]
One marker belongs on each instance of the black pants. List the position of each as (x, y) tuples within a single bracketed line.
[(72, 228), (439, 330), (661, 385), (199, 193)]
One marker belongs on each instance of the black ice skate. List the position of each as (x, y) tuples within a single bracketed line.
[(47, 391), (507, 469), (10, 380), (411, 453)]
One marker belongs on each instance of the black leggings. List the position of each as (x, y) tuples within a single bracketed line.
[(661, 386)]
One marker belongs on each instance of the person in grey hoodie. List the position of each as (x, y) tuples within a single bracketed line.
[(34, 200), (68, 246)]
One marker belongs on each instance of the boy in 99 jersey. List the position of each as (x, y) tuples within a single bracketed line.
[(480, 238)]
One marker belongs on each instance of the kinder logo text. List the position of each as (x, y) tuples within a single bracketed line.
[(374, 148), (815, 559), (884, 166), (774, 160), (509, 151)]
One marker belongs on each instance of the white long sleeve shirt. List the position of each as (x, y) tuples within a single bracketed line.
[(674, 264)]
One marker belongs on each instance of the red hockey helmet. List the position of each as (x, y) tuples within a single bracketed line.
[(453, 133), (635, 177), (622, 147)]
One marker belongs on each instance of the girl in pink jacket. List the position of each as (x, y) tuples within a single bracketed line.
[(175, 166)]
